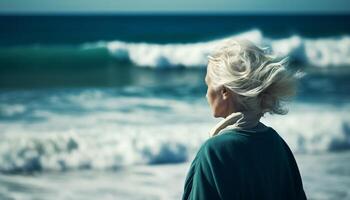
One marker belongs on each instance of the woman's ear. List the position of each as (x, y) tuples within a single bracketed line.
[(225, 93)]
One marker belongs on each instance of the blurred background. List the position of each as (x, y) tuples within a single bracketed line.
[(106, 99)]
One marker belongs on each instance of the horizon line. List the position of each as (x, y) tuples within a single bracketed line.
[(155, 13)]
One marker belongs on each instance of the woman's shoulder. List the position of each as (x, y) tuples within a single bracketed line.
[(226, 141), (231, 140)]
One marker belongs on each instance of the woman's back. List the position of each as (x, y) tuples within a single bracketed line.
[(238, 164), (244, 159)]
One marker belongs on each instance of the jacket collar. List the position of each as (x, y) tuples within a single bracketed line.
[(237, 121)]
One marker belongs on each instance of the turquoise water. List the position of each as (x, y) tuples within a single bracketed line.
[(163, 29)]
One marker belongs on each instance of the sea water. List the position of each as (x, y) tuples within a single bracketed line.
[(114, 107)]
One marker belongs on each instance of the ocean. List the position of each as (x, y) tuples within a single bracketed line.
[(113, 106)]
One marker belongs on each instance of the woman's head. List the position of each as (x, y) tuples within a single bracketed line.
[(243, 77)]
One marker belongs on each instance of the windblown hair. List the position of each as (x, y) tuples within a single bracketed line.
[(261, 81)]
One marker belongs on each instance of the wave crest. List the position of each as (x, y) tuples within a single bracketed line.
[(73, 152), (322, 52)]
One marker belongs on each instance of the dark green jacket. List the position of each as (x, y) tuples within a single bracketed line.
[(244, 165)]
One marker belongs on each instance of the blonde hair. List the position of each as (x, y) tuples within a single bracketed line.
[(261, 81)]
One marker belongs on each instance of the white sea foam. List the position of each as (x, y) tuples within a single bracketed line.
[(11, 109), (321, 52), (104, 150), (107, 131), (314, 128)]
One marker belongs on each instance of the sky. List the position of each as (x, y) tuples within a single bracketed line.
[(190, 6)]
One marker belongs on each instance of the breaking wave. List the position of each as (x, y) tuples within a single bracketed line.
[(331, 52), (322, 52), (99, 130)]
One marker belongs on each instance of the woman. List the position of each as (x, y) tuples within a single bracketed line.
[(243, 158)]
